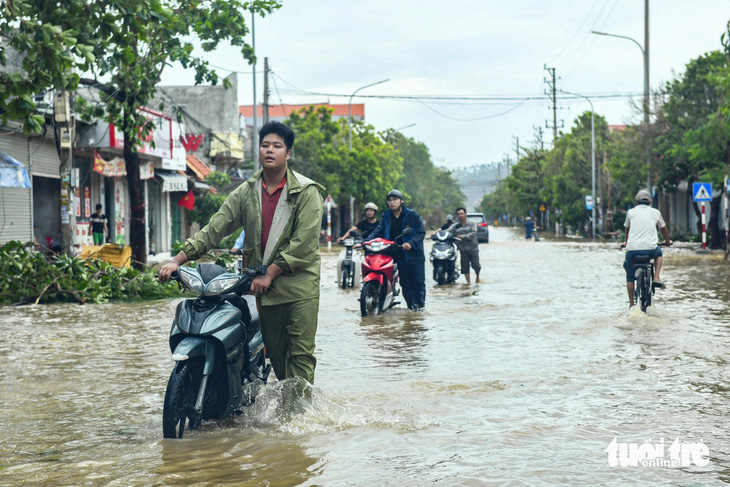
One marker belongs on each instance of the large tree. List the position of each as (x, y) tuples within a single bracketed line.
[(121, 47), (693, 142), (432, 190), (321, 151)]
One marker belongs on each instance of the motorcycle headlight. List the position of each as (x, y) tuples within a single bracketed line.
[(348, 242), (378, 246), (441, 254), (220, 286), (191, 280)]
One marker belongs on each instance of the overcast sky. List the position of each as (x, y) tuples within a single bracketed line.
[(324, 50)]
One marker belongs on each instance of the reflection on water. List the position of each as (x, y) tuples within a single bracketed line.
[(522, 380)]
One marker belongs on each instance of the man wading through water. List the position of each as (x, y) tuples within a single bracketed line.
[(281, 212)]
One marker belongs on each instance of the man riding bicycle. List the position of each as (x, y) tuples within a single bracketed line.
[(641, 226)]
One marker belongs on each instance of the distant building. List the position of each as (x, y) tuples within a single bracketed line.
[(282, 111), (213, 129)]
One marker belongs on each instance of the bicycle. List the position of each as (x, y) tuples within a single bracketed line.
[(644, 279)]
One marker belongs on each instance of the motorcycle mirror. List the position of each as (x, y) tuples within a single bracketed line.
[(355, 234), (407, 231)]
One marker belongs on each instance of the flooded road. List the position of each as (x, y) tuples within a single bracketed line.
[(525, 379)]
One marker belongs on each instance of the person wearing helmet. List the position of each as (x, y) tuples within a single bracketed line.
[(411, 259), (449, 222), (529, 228), (641, 226), (366, 226), (465, 234)]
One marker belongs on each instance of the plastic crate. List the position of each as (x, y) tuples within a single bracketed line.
[(117, 255)]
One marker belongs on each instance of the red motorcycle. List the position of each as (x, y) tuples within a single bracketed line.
[(380, 276)]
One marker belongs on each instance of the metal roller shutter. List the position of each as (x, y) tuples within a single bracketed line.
[(44, 156), (15, 146), (15, 211)]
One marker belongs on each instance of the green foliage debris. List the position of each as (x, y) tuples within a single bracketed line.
[(28, 277)]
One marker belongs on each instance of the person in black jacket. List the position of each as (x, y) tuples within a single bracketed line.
[(411, 259)]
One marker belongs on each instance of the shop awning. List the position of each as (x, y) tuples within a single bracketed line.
[(201, 187), (171, 181)]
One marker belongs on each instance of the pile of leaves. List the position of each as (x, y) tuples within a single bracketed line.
[(28, 277)]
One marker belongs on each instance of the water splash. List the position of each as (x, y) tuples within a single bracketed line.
[(294, 406)]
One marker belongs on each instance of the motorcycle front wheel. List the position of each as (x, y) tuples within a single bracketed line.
[(440, 278), (345, 277), (182, 391), (370, 299)]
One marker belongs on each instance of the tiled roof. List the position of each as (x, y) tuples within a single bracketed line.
[(283, 111), (200, 168)]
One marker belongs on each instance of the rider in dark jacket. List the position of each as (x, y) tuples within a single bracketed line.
[(411, 259)]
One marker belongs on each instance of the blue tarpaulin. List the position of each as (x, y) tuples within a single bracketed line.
[(12, 173)]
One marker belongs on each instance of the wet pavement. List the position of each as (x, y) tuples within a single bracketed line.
[(525, 379)]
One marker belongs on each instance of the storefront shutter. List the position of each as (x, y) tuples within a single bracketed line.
[(45, 158), (16, 146), (15, 211)]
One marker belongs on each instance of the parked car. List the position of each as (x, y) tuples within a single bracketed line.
[(482, 226)]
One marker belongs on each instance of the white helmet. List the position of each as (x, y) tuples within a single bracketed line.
[(371, 206)]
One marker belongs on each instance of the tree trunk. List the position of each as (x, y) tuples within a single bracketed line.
[(136, 204)]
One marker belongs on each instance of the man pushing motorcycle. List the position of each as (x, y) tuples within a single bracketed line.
[(281, 211), (411, 260)]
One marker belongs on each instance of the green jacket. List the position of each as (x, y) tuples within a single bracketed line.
[(293, 242)]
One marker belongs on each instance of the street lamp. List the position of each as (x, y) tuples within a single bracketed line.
[(349, 107), (349, 130), (645, 56), (593, 162)]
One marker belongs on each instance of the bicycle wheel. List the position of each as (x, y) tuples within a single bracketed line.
[(640, 289), (648, 290)]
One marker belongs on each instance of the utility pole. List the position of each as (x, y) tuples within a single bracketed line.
[(63, 118), (538, 129), (254, 133), (550, 92), (517, 147), (266, 91), (646, 92)]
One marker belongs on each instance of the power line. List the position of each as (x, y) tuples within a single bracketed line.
[(457, 98)]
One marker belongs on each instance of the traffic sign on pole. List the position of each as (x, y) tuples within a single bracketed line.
[(701, 192), (589, 202)]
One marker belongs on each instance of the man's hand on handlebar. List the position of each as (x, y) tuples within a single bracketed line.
[(166, 270), (260, 284), (406, 246)]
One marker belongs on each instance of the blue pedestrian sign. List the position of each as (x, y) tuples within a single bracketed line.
[(701, 192)]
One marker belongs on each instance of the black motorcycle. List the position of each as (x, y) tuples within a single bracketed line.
[(217, 345), (443, 258)]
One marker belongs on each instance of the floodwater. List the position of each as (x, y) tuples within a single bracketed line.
[(525, 379)]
